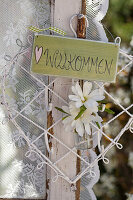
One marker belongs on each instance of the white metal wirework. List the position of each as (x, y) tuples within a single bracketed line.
[(33, 147)]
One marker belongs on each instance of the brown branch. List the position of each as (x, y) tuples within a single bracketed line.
[(81, 29), (81, 33)]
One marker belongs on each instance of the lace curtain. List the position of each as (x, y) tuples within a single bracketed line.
[(19, 176)]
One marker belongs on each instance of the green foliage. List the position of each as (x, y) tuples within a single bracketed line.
[(106, 110), (61, 110), (119, 19), (82, 109), (65, 117), (98, 125), (103, 101)]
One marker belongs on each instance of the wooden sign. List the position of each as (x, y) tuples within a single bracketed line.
[(74, 58)]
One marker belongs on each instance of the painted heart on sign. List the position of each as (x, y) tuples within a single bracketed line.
[(38, 53)]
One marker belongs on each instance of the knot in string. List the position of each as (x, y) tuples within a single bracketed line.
[(73, 187)]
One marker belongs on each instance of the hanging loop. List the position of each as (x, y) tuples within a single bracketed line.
[(118, 145), (118, 41), (80, 16), (47, 143)]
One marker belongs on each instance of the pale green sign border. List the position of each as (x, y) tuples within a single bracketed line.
[(91, 79)]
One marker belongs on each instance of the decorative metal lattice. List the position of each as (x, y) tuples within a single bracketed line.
[(13, 116), (30, 93)]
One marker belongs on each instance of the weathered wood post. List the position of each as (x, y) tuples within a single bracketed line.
[(81, 33), (61, 12)]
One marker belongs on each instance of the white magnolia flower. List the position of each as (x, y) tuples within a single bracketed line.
[(71, 123), (83, 109), (73, 112), (130, 196), (86, 97), (81, 124)]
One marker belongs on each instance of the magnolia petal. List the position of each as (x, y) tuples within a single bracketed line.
[(79, 91), (86, 116), (67, 124), (87, 128), (101, 92), (73, 124), (80, 128), (96, 118), (88, 103), (99, 98), (72, 105), (74, 98), (87, 87), (94, 107), (74, 90), (91, 104), (78, 104), (73, 109), (96, 95)]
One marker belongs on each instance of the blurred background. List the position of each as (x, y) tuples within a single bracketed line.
[(116, 182)]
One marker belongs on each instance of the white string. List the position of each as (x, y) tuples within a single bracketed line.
[(71, 26), (47, 143)]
